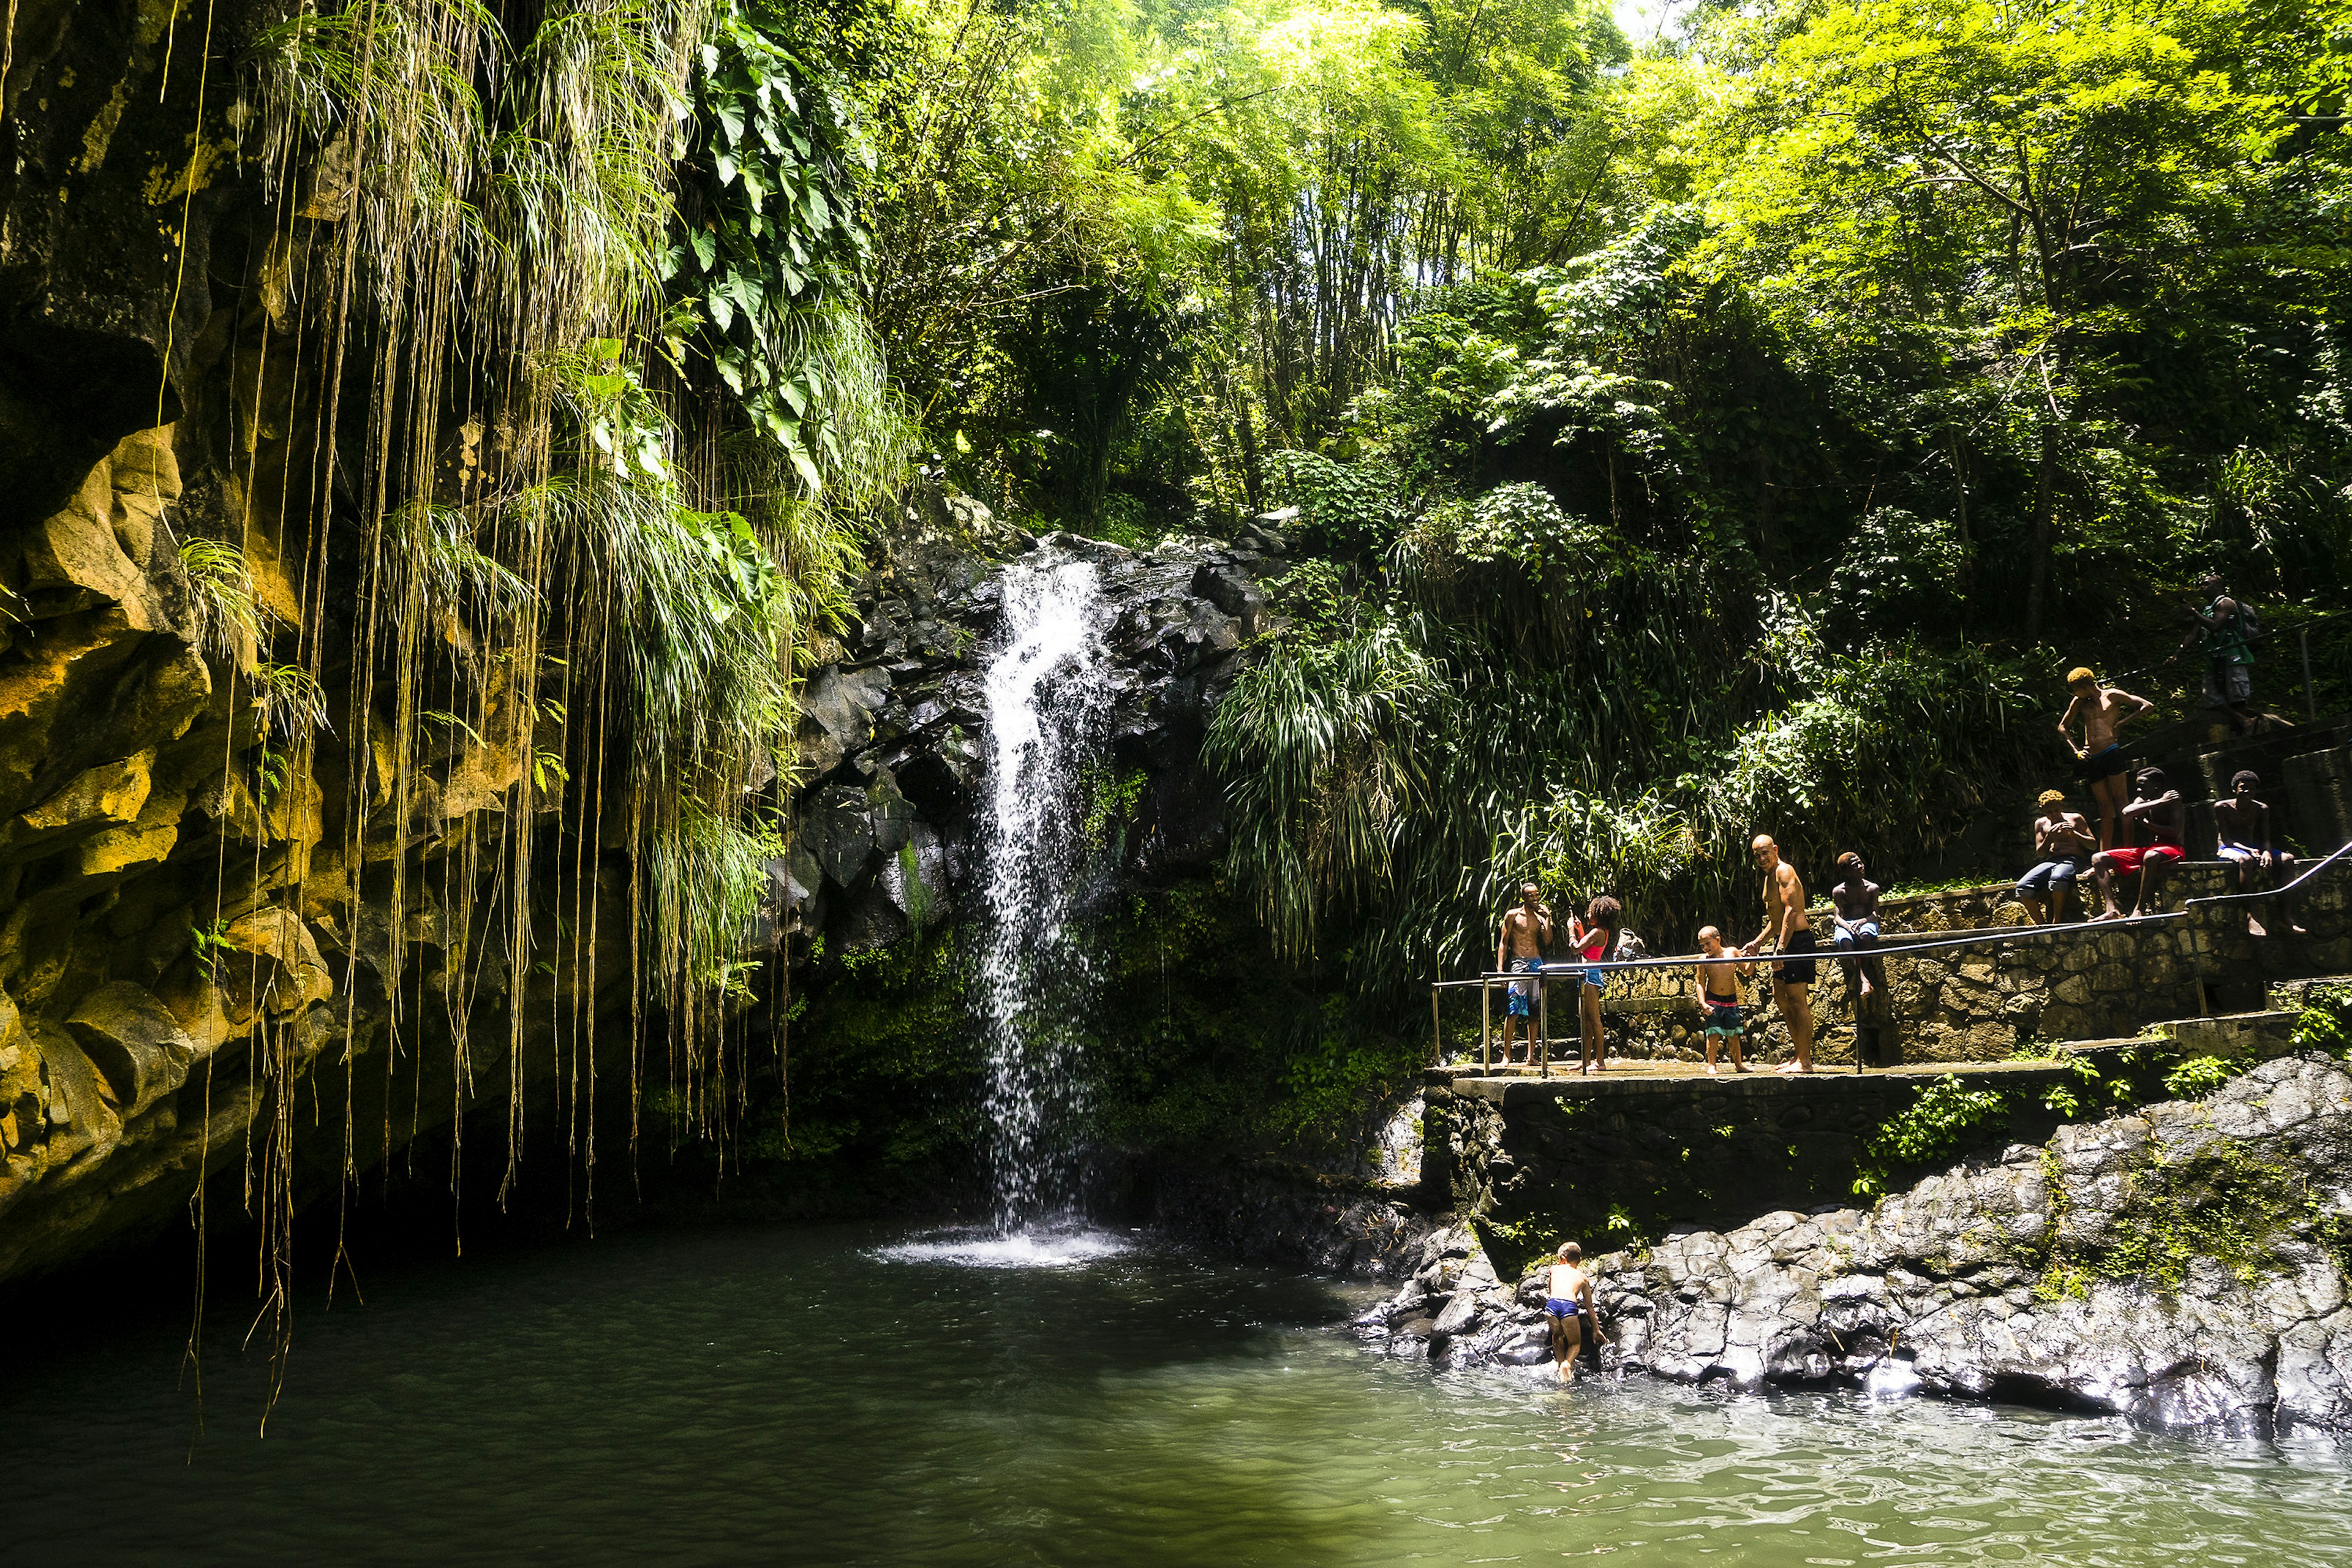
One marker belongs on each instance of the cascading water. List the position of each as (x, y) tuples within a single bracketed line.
[(1047, 705)]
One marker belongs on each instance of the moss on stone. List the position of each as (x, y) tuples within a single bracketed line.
[(2219, 1201)]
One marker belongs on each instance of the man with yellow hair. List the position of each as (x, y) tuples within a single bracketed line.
[(2103, 710), (2064, 841)]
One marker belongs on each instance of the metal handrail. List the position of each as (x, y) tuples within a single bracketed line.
[(1549, 968)]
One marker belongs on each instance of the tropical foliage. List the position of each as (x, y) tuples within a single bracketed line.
[(1734, 431)]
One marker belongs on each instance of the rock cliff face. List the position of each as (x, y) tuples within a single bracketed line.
[(179, 956), (891, 734), (180, 951), (211, 915), (2186, 1265)]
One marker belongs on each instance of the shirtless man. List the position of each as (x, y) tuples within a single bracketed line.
[(2242, 823), (1717, 987), (1519, 947), (1567, 1307), (2103, 710), (2063, 840), (2157, 820), (1786, 925), (1855, 900)]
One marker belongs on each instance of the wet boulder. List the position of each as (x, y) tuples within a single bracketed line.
[(2175, 1265), (134, 1040)]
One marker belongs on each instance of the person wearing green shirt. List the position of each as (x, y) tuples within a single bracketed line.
[(2229, 651)]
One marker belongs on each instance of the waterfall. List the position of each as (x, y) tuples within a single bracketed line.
[(1046, 705)]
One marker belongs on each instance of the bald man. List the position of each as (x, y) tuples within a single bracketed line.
[(1787, 928)]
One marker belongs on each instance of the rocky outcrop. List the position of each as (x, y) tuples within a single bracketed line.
[(179, 948), (891, 730), (2185, 1265)]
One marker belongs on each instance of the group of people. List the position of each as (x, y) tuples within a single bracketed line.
[(2152, 818), (1520, 949), (1795, 966), (2142, 810)]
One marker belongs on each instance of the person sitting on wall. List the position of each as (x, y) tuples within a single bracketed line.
[(2157, 819), (2241, 821), (1855, 900), (1520, 949), (1717, 984), (2063, 840), (2102, 711)]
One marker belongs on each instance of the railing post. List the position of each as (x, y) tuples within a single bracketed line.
[(1542, 1053), (2310, 702), (1485, 1025), (1436, 1032)]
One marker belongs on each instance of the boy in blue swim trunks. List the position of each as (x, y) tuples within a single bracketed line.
[(1568, 1308), (1716, 985)]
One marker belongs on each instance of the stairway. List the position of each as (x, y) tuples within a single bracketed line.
[(2250, 1036)]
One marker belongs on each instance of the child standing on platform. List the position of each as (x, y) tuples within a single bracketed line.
[(1717, 984)]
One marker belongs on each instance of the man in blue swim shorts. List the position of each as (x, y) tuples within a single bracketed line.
[(1520, 949)]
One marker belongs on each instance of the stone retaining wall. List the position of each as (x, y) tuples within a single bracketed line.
[(1609, 1158), (1981, 1004)]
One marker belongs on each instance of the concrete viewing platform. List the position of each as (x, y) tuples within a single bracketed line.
[(1648, 1145), (1641, 1077), (2026, 987)]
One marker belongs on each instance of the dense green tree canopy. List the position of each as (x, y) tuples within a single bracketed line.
[(1742, 428)]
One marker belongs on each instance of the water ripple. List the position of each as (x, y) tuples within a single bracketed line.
[(830, 1397)]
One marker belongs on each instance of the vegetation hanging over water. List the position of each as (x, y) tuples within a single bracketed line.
[(1671, 436)]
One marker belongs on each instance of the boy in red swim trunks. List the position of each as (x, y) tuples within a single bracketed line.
[(2157, 819)]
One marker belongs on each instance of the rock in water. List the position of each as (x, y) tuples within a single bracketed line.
[(2185, 1265)]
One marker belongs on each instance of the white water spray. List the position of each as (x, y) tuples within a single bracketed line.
[(1046, 708)]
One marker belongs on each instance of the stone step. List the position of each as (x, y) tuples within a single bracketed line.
[(2297, 993), (2256, 1036), (2114, 1046)]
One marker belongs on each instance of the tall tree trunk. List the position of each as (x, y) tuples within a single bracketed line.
[(1960, 508), (2037, 580), (1253, 479)]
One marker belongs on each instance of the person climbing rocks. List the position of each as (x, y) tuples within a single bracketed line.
[(2241, 822), (2228, 631), (1595, 936), (1518, 949), (1786, 926), (1568, 1308), (2063, 840), (2157, 819), (1716, 985), (2102, 711)]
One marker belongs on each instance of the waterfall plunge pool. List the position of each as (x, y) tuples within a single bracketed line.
[(785, 1395)]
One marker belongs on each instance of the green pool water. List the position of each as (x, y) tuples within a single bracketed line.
[(838, 1396)]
